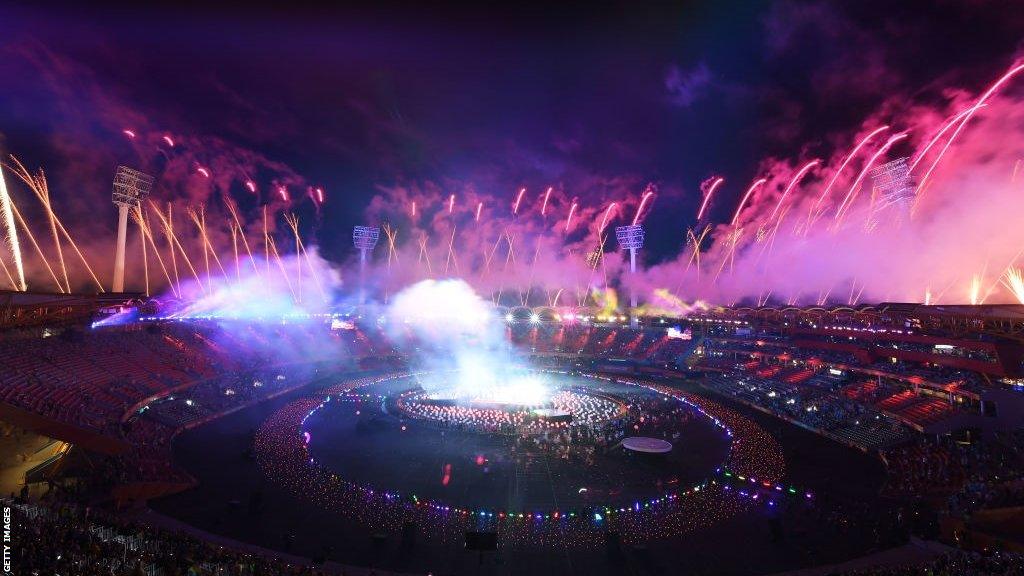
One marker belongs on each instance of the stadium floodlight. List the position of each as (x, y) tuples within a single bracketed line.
[(631, 238), (365, 239), (894, 184), (131, 187)]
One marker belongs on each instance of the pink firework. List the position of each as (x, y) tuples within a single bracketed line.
[(707, 197), (168, 140), (129, 133), (757, 184), (643, 202), (604, 218), (568, 221), (842, 166), (867, 166), (451, 203), (251, 186), (519, 198), (320, 195), (283, 193), (967, 118), (413, 211), (792, 184), (949, 124), (544, 206), (479, 207), (203, 171)]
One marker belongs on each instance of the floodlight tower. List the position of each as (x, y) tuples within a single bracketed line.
[(631, 238), (130, 188), (895, 186), (364, 238)]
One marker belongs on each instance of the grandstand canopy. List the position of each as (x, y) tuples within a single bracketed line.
[(33, 309)]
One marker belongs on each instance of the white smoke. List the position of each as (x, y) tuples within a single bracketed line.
[(459, 338)]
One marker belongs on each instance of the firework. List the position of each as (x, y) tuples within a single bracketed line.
[(792, 183), (967, 118), (757, 184), (604, 218), (974, 292), (251, 186), (949, 124), (320, 195), (1013, 279), (643, 202), (715, 183), (479, 207), (283, 193), (811, 214), (544, 205), (203, 171), (451, 203), (129, 133), (519, 198), (168, 140), (848, 200), (7, 206), (568, 221)]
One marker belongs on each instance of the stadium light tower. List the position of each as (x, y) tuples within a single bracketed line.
[(631, 238), (364, 238), (130, 188), (895, 186)]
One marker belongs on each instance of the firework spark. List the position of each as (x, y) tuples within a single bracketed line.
[(643, 202), (519, 198), (568, 221), (1013, 279), (792, 183), (812, 213), (965, 120), (604, 218), (7, 206), (715, 183), (848, 200), (544, 205), (757, 184)]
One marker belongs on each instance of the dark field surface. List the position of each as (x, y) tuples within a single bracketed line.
[(758, 541)]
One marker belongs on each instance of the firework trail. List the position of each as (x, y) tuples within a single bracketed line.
[(203, 171), (251, 186), (604, 218), (643, 202), (241, 231), (792, 183), (7, 206), (451, 203), (1013, 279), (413, 211), (813, 212), (949, 124), (974, 293), (168, 140), (320, 195), (848, 200), (568, 221), (479, 207), (519, 198), (963, 122), (283, 193), (40, 188), (129, 133), (757, 184), (715, 183), (544, 205)]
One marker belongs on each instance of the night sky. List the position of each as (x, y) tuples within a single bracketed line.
[(494, 98)]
